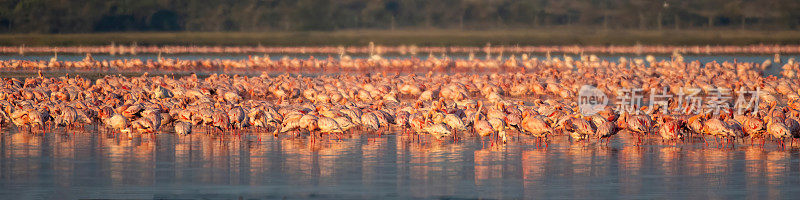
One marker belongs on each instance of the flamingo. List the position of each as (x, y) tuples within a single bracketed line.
[(606, 130), (482, 127), (328, 125), (751, 126), (536, 126), (778, 130), (370, 121), (183, 128), (438, 130), (717, 128), (582, 128), (670, 129)]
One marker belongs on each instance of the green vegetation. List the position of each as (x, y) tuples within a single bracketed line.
[(394, 22), (555, 36), (85, 16)]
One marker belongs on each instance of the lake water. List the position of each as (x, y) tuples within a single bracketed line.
[(774, 69), (68, 164)]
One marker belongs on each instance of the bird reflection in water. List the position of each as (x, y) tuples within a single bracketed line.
[(403, 163)]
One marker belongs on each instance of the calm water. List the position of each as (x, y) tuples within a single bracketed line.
[(83, 165), (774, 69)]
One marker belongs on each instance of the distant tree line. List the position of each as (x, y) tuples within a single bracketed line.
[(78, 16)]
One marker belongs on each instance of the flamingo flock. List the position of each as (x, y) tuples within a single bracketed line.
[(114, 49), (499, 99)]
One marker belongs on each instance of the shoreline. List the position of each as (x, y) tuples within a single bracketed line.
[(421, 37), (373, 49)]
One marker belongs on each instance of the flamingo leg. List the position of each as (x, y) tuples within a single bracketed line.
[(546, 144)]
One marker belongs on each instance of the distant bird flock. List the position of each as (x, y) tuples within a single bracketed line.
[(439, 98), (115, 49)]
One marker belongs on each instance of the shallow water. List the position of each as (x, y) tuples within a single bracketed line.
[(774, 69), (98, 165)]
